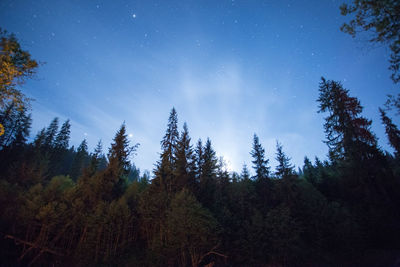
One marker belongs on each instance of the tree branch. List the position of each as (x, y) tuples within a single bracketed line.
[(212, 252), (33, 245)]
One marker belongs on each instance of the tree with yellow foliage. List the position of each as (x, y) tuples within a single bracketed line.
[(15, 66)]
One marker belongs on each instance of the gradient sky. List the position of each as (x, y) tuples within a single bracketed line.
[(231, 68)]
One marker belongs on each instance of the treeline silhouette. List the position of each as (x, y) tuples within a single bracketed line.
[(62, 205)]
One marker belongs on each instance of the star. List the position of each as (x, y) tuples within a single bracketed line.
[(134, 16)]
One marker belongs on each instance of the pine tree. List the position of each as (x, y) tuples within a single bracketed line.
[(207, 180), (119, 154), (43, 158), (22, 128), (199, 159), (284, 169), (39, 139), (50, 133), (112, 182), (82, 148), (168, 144), (134, 174), (210, 161), (95, 159), (309, 171), (62, 138), (80, 160), (60, 158), (348, 134), (245, 175), (222, 171), (16, 123), (260, 165), (165, 166), (184, 161), (392, 131), (364, 171)]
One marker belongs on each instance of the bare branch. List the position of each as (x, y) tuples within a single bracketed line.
[(33, 245)]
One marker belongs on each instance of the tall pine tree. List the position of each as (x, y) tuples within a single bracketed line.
[(199, 159), (348, 133), (165, 167), (207, 180), (184, 162), (113, 181), (284, 169), (119, 154), (62, 138), (260, 164), (51, 133), (80, 160)]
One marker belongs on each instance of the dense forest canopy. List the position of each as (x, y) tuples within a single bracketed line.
[(69, 206)]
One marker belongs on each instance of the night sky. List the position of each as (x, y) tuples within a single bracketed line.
[(230, 68)]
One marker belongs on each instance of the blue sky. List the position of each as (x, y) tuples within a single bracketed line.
[(230, 68)]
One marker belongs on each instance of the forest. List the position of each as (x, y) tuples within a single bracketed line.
[(62, 205)]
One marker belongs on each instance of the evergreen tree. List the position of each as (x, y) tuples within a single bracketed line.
[(165, 166), (184, 162), (199, 159), (82, 148), (348, 134), (134, 174), (210, 161), (94, 162), (80, 160), (223, 174), (309, 171), (284, 169), (22, 128), (61, 158), (62, 138), (95, 156), (39, 139), (16, 123), (119, 154), (50, 133), (392, 131), (260, 164), (168, 144), (245, 175), (207, 180), (44, 154)]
